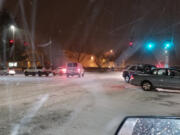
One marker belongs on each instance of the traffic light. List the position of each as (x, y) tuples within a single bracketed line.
[(150, 45), (130, 43), (168, 45), (11, 42)]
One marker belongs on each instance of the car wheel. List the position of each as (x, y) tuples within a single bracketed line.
[(47, 74), (127, 79), (39, 74), (26, 74), (67, 76), (146, 86)]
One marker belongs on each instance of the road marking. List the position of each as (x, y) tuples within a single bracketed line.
[(168, 90), (29, 115)]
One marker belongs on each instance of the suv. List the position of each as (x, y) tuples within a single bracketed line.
[(137, 69), (74, 69)]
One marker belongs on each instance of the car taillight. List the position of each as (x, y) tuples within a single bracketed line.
[(78, 70), (132, 77), (64, 70)]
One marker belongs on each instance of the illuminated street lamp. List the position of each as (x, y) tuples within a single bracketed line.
[(92, 58), (166, 51), (111, 51), (13, 28)]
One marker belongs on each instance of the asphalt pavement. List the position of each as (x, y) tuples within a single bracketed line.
[(93, 105)]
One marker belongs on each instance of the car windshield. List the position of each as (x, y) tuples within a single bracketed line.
[(81, 66), (72, 64)]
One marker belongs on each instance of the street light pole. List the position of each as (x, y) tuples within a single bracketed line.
[(12, 27), (166, 59)]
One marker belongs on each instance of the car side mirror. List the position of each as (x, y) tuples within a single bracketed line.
[(142, 125)]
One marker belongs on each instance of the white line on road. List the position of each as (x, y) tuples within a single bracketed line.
[(29, 115), (168, 90)]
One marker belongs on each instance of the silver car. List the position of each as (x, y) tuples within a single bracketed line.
[(73, 69), (165, 78)]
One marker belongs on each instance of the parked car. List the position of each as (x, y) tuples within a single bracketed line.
[(7, 71), (37, 71), (165, 78), (11, 71), (74, 69), (137, 69), (175, 67), (59, 71)]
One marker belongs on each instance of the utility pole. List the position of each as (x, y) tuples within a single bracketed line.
[(50, 54), (4, 47)]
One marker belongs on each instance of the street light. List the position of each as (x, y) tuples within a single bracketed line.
[(12, 27), (92, 58)]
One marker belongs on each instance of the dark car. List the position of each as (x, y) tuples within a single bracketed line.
[(137, 69), (37, 71), (166, 78), (175, 67)]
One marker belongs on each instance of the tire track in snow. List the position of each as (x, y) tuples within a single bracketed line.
[(30, 114)]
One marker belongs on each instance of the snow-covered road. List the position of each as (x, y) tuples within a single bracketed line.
[(93, 105)]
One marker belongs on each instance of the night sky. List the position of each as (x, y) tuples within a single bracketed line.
[(101, 24)]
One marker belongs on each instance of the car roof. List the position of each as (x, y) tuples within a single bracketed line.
[(142, 65), (167, 68)]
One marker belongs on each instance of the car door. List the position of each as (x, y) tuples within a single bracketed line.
[(163, 78), (158, 78), (173, 79), (139, 70), (154, 77)]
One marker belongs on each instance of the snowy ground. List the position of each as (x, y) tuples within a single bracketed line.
[(93, 105)]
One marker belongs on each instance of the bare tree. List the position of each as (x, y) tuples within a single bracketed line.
[(103, 58), (76, 55)]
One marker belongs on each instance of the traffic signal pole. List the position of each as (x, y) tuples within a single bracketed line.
[(167, 60), (4, 47)]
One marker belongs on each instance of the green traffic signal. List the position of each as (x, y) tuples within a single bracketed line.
[(150, 46), (168, 45)]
